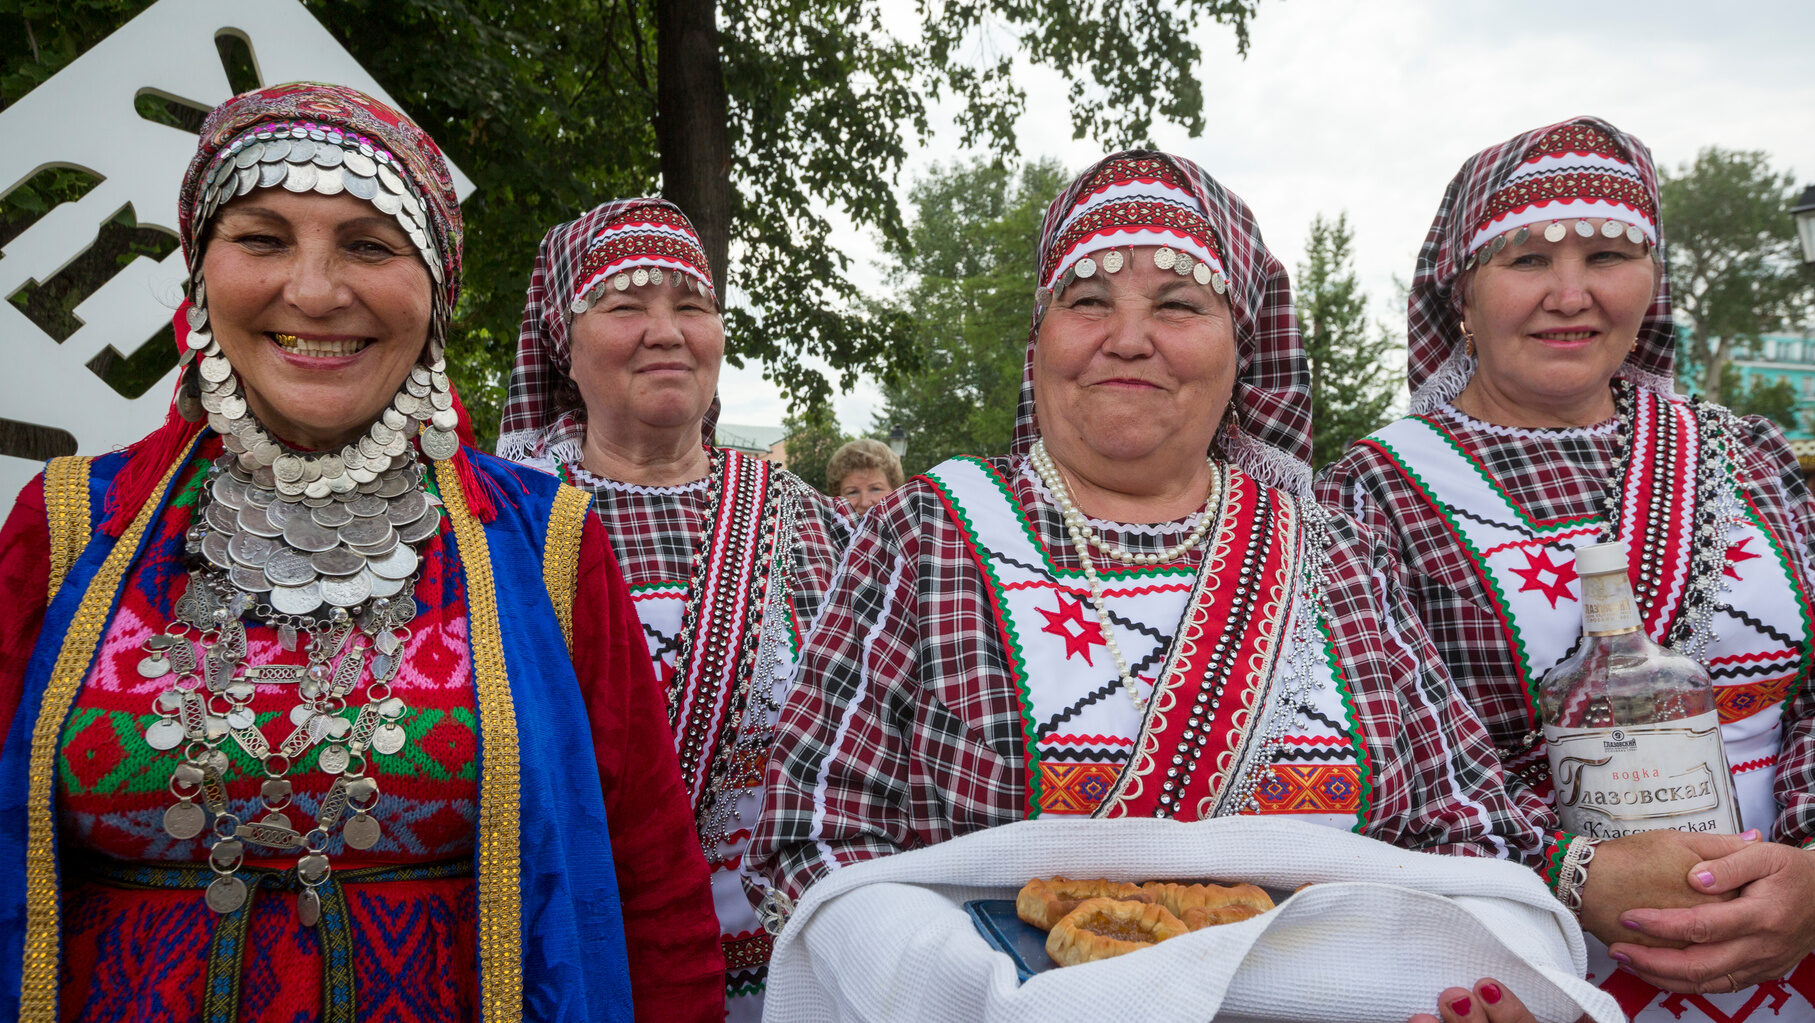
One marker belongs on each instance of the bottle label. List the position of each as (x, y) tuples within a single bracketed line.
[(1626, 779), (1607, 605)]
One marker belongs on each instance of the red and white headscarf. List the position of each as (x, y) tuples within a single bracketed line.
[(619, 244), (1148, 198), (1556, 178)]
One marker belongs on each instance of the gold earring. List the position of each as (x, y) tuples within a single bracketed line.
[(1468, 339)]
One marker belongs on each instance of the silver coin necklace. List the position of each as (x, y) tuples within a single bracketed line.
[(336, 579)]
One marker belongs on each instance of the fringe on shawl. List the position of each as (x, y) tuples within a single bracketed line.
[(1268, 464), (1442, 386)]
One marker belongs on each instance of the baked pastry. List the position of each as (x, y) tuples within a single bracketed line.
[(1103, 928), (1044, 902), (1206, 905)]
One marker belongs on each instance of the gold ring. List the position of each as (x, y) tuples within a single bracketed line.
[(1734, 984)]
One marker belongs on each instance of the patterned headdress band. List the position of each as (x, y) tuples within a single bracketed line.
[(646, 244), (1574, 171), (1128, 202)]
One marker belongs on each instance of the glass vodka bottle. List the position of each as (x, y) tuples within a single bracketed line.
[(1632, 728)]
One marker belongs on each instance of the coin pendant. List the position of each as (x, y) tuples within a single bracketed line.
[(226, 894), (164, 734), (154, 666), (1085, 267), (333, 759), (1554, 233), (217, 760), (240, 717), (308, 907), (388, 739), (1112, 261), (361, 831), (1164, 257), (183, 821), (439, 445)]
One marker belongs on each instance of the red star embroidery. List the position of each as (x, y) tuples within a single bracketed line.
[(1059, 623), (1537, 565), (1737, 553)]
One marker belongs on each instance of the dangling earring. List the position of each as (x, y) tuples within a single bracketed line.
[(1468, 340)]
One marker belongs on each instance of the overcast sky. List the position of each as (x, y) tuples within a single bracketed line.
[(1371, 107)]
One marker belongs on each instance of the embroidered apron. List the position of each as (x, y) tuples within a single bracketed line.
[(1247, 696), (1756, 657), (723, 647)]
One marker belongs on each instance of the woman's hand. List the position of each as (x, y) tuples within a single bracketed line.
[(1760, 935), (1648, 871), (1487, 1003)]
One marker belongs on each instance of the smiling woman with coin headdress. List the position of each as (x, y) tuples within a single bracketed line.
[(295, 728), (1545, 417), (727, 556)]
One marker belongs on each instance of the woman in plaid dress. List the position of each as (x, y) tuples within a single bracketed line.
[(1544, 417), (1108, 623), (727, 556)]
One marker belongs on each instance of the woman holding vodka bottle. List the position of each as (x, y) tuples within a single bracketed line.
[(1544, 419)]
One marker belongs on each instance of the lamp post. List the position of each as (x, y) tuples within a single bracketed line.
[(898, 441), (1804, 212)]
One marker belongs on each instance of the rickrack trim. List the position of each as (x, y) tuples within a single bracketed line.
[(561, 554), (66, 509)]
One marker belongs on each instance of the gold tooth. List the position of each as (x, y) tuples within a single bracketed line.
[(287, 340)]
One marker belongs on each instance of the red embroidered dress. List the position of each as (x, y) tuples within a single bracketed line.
[(135, 952), (1485, 520), (952, 685), (775, 541)]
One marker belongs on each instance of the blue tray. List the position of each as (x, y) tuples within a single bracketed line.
[(1023, 943)]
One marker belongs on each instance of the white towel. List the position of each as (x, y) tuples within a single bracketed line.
[(1379, 936)]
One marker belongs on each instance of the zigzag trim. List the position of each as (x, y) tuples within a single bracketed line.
[(1753, 765), (1097, 740), (1739, 615), (1754, 658), (1134, 591), (1745, 671)]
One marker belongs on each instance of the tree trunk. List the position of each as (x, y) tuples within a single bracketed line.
[(692, 123)]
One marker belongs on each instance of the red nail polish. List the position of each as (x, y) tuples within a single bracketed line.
[(1490, 993), (1462, 1006)]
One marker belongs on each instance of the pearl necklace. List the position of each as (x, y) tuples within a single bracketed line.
[(1083, 537)]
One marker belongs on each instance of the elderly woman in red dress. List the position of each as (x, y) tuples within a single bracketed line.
[(316, 713)]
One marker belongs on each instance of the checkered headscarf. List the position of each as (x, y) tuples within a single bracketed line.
[(543, 417), (1576, 169), (1170, 200)]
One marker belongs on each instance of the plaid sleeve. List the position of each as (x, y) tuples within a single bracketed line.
[(1438, 587), (1782, 500), (837, 784), (901, 728), (1437, 782)]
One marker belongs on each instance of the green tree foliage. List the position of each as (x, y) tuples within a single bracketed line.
[(1352, 388), (551, 107), (1774, 399), (965, 276), (1735, 271), (813, 437)]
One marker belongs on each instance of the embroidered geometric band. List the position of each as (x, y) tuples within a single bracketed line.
[(1129, 203), (646, 245), (1575, 172)]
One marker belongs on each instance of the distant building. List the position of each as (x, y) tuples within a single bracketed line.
[(1785, 357), (769, 443), (1788, 357)]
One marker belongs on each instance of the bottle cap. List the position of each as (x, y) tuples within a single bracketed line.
[(1601, 558)]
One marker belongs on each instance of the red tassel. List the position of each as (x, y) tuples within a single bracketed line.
[(148, 458), (482, 494), (463, 426)]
